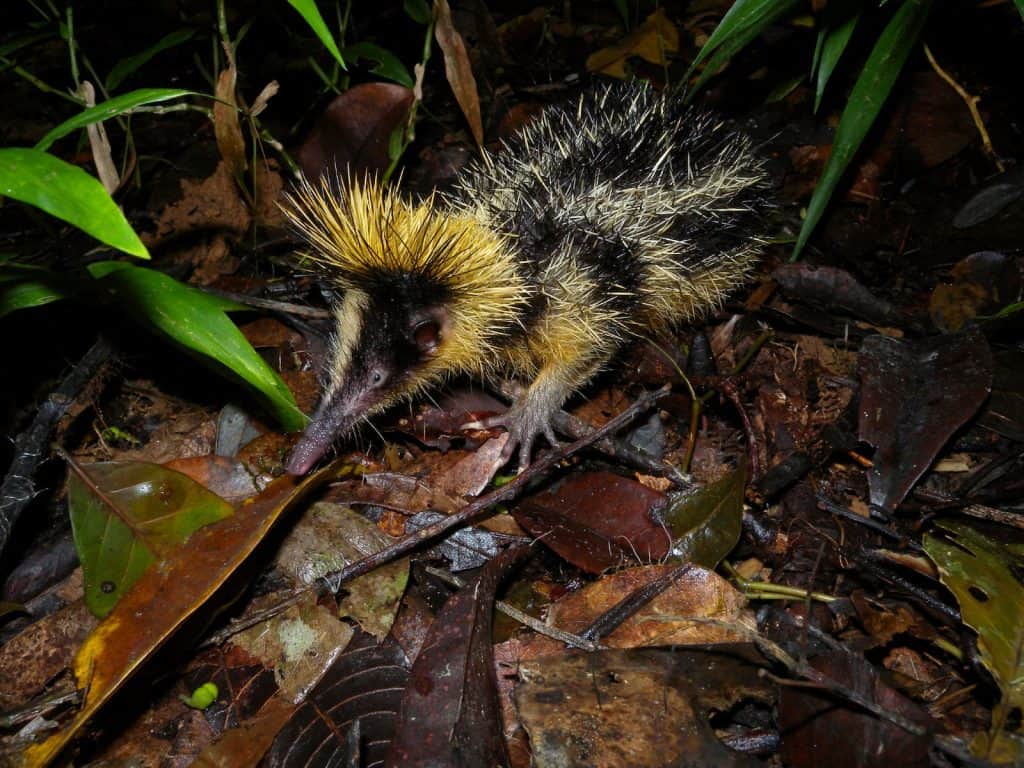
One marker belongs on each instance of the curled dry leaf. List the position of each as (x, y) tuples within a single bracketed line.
[(457, 68), (226, 126)]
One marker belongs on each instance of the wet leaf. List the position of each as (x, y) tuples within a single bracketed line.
[(197, 321), (869, 93), (818, 728), (654, 41), (598, 520), (164, 598), (642, 708), (915, 395), (331, 536), (68, 193), (125, 516), (457, 68), (246, 744), (365, 684), (119, 105), (990, 200), (450, 714), (351, 136), (706, 523), (985, 578)]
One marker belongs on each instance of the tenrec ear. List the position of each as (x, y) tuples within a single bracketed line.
[(427, 336)]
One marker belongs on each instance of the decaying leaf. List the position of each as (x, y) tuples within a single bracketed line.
[(915, 395), (450, 713), (634, 707), (985, 577), (457, 68), (226, 126), (165, 597), (654, 41)]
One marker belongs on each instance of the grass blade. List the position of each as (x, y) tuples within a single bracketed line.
[(308, 10), (869, 94), (745, 20), (125, 67), (836, 37), (118, 105)]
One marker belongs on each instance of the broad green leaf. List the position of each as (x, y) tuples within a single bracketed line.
[(833, 42), (1020, 7), (69, 193), (739, 20), (745, 20), (984, 576), (308, 10), (164, 598), (869, 94), (131, 64), (705, 524), (118, 105), (197, 321), (387, 64), (27, 293), (126, 515)]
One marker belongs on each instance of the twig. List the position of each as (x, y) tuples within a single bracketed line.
[(284, 307), (332, 582), (507, 492), (538, 626), (972, 105), (18, 488)]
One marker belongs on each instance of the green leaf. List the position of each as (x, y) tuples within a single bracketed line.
[(1020, 7), (131, 64), (28, 293), (386, 64), (983, 575), (69, 193), (308, 10), (744, 21), (197, 321), (419, 10), (869, 94), (834, 39), (705, 524), (118, 105), (126, 515), (20, 42)]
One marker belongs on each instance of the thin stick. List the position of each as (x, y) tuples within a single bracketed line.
[(972, 105), (505, 493)]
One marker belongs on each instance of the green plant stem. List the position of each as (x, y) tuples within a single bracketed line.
[(23, 73)]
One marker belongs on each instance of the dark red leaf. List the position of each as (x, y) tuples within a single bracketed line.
[(916, 394), (450, 713), (597, 521), (818, 728), (353, 132)]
